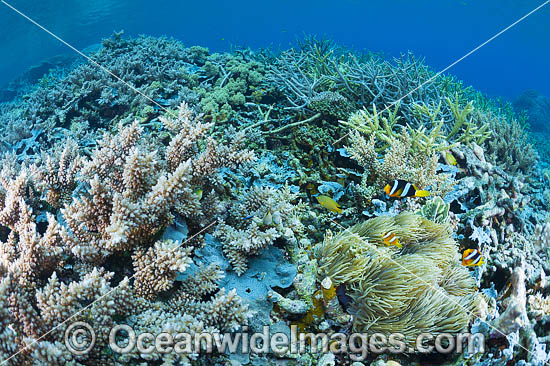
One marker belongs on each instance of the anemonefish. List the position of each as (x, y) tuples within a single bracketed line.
[(391, 239), (401, 189), (472, 257)]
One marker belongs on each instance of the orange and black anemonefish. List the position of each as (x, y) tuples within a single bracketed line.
[(401, 189), (472, 257), (390, 239)]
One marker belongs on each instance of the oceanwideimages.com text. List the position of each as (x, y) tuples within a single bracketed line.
[(80, 339)]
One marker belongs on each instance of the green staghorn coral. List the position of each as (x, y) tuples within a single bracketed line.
[(426, 137), (421, 288)]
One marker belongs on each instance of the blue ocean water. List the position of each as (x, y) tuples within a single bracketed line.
[(440, 31)]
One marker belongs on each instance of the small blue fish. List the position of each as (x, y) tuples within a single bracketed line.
[(248, 217)]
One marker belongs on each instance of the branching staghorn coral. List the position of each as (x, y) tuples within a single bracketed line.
[(426, 137), (317, 66), (421, 288), (156, 268), (56, 177), (262, 215), (133, 189), (398, 162)]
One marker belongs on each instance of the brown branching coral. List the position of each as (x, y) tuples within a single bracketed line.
[(539, 306), (203, 283), (421, 288), (133, 189), (56, 176), (57, 302), (223, 312), (509, 146), (128, 201), (116, 202), (188, 130), (13, 192), (157, 267), (55, 273), (27, 258), (206, 156)]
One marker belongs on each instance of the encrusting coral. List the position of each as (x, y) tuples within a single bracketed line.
[(422, 288)]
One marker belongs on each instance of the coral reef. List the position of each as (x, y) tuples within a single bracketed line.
[(116, 203), (192, 205)]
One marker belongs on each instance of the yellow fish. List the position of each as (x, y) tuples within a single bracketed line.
[(391, 239), (450, 158), (198, 193), (329, 204)]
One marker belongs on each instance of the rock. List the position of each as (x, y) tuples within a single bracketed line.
[(327, 360), (294, 307), (478, 151), (392, 363), (515, 315)]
